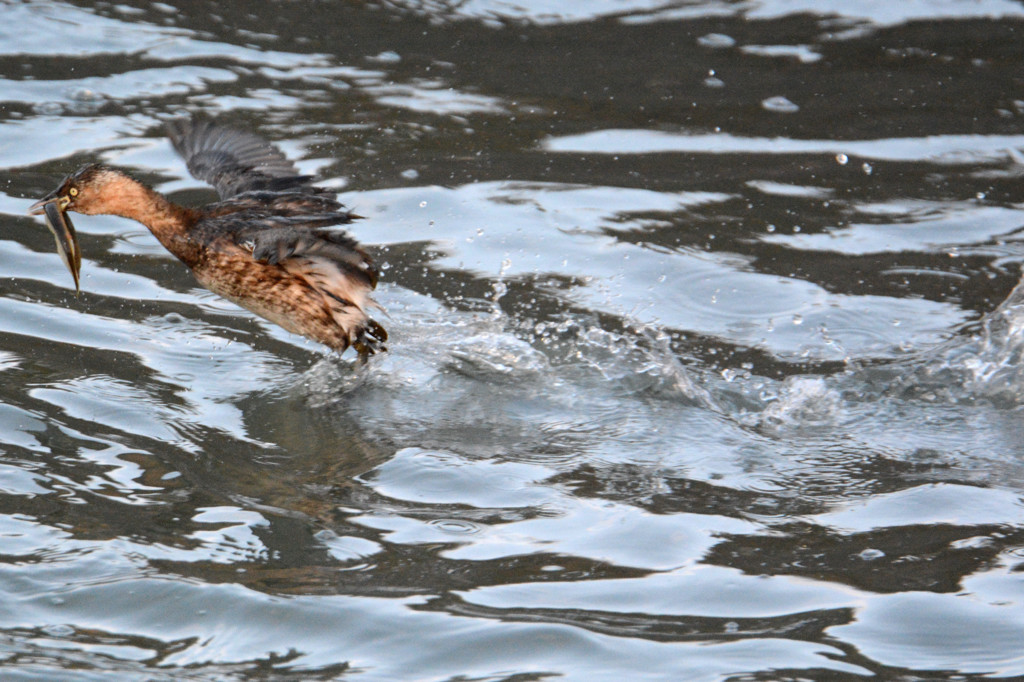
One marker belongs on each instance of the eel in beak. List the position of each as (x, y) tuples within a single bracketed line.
[(54, 206)]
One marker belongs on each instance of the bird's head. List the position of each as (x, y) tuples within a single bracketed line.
[(82, 191)]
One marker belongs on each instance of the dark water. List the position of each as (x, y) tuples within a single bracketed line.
[(705, 363)]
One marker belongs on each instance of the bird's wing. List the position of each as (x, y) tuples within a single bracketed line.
[(320, 253), (331, 261), (316, 207), (233, 161)]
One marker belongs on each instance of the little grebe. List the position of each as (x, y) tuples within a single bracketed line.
[(268, 245)]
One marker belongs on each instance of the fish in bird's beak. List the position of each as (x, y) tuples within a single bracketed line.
[(54, 206)]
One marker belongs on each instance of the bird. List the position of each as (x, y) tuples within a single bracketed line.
[(271, 244)]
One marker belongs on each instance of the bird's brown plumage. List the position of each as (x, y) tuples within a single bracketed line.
[(271, 244)]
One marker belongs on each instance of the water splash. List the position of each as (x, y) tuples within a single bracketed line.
[(500, 287), (992, 364), (803, 402)]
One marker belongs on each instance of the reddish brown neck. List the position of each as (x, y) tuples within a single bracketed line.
[(169, 222)]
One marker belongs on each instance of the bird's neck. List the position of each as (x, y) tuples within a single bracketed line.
[(169, 222)]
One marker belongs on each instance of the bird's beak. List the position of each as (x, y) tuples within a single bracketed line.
[(53, 207), (53, 197)]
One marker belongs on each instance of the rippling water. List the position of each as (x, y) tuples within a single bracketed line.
[(705, 361)]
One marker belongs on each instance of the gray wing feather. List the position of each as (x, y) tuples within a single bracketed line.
[(276, 245), (233, 161)]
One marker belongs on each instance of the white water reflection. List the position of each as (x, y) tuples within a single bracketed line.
[(139, 83), (436, 97), (876, 12), (909, 629), (72, 31), (915, 226), (835, 13), (939, 149)]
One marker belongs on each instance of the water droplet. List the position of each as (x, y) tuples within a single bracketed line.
[(798, 319), (500, 289), (770, 228), (48, 108), (842, 159), (716, 40), (59, 630), (867, 168), (423, 204), (455, 526), (410, 174), (975, 542), (386, 57), (780, 104), (871, 554)]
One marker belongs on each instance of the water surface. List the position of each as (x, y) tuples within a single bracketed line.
[(704, 363)]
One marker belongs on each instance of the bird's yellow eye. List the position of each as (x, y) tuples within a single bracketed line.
[(73, 191)]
